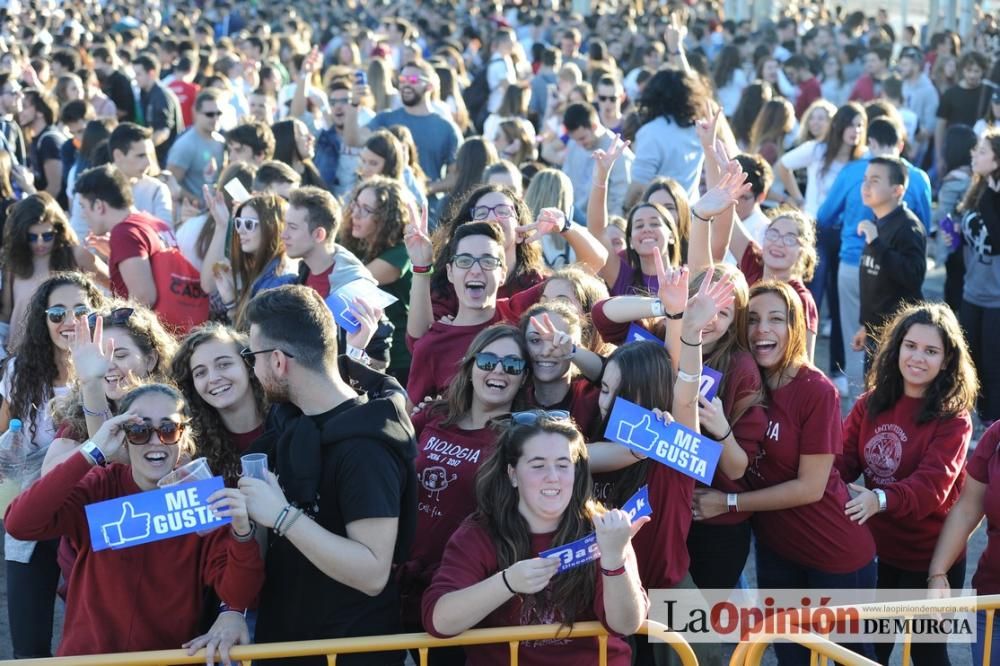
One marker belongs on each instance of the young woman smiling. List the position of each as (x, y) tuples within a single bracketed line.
[(908, 436)]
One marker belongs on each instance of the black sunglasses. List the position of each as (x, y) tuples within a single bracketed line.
[(46, 236), (57, 313), (532, 417), (606, 98), (117, 317), (168, 432), (250, 357), (512, 365)]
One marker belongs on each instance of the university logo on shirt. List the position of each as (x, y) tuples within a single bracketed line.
[(883, 452)]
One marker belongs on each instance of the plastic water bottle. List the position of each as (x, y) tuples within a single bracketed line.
[(13, 455)]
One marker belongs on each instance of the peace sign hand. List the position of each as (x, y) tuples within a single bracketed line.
[(550, 220), (415, 237), (91, 355), (604, 160), (560, 344)]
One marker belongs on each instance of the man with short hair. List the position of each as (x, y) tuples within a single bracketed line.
[(610, 97), (760, 177), (569, 45), (798, 72), (263, 106), (587, 134), (251, 142), (145, 263), (129, 148), (11, 103), (198, 154), (181, 82), (894, 260), (500, 71), (310, 232), (965, 103), (45, 139), (115, 84), (336, 160), (161, 112), (277, 178), (543, 81), (342, 446), (876, 67)]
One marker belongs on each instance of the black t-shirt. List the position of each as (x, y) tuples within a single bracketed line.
[(47, 145), (161, 110), (118, 88), (964, 106)]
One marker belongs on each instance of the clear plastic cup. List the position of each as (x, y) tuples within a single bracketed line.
[(196, 470), (255, 465)]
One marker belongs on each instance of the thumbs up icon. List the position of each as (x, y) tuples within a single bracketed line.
[(131, 526), (639, 435)]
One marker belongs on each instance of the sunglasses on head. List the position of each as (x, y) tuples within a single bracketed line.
[(512, 365), (46, 237), (168, 432), (532, 417), (57, 313), (246, 224), (117, 317)]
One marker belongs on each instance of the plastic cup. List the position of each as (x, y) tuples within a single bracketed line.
[(196, 470), (255, 465)]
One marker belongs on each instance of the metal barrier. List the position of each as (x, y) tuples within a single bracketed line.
[(749, 653), (333, 647)]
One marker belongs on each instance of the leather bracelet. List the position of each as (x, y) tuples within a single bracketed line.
[(503, 574), (699, 217), (281, 519), (291, 521), (613, 572), (690, 344)]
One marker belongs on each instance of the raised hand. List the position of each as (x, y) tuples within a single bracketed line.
[(216, 203), (727, 191), (673, 286), (550, 220), (310, 63), (560, 344), (224, 281), (707, 128), (710, 299), (532, 576), (111, 435), (604, 160), (415, 237), (91, 355), (675, 33), (614, 532)]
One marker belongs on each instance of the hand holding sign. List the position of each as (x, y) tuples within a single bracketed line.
[(712, 418), (367, 317), (132, 526), (343, 304), (230, 503), (532, 576)]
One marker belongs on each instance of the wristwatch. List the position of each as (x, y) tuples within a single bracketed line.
[(358, 355), (880, 494), (93, 453)]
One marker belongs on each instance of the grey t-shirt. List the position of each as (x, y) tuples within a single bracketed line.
[(982, 252), (437, 138), (193, 153)]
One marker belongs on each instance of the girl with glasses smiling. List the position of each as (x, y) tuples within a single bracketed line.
[(37, 242), (454, 438)]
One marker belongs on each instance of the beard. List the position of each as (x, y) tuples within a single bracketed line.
[(412, 99), (275, 391)]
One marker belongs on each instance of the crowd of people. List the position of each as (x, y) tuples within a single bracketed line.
[(403, 251)]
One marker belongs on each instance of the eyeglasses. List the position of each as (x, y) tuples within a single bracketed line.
[(607, 98), (534, 416), (788, 240), (46, 237), (117, 317), (512, 365), (211, 114), (57, 313), (246, 224), (334, 101), (487, 262), (502, 211), (358, 207), (412, 79), (250, 357), (168, 432)]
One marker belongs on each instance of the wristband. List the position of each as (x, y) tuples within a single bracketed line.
[(726, 436), (281, 519), (503, 574), (699, 217), (880, 494), (226, 608), (567, 223), (688, 377), (613, 572), (243, 538), (94, 454), (291, 521), (104, 413), (940, 575), (423, 270), (358, 355), (690, 344), (732, 502)]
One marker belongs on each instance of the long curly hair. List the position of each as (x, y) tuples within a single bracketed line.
[(35, 356), (213, 440), (270, 209), (676, 95), (40, 208), (954, 389), (528, 255), (153, 341), (391, 217), (572, 592)]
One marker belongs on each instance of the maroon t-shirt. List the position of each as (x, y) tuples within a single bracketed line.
[(984, 467), (447, 461), (470, 558), (921, 468), (241, 441), (320, 281), (752, 266), (580, 401), (804, 419)]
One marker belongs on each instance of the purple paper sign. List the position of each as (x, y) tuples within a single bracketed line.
[(710, 382)]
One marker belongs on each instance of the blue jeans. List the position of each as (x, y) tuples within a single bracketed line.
[(977, 647), (774, 571)]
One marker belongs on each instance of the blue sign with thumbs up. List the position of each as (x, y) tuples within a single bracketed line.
[(155, 515), (637, 333), (673, 445)]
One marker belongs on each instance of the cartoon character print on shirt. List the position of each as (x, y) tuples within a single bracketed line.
[(883, 452), (435, 479), (977, 236), (539, 609)]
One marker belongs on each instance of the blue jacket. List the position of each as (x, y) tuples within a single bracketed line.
[(843, 206)]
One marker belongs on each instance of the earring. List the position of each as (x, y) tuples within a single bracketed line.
[(513, 483)]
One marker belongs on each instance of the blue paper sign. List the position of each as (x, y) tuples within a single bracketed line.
[(586, 550), (154, 515), (637, 333), (710, 381), (342, 313), (677, 447), (341, 302)]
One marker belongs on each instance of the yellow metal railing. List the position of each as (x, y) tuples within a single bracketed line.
[(422, 642), (749, 653)]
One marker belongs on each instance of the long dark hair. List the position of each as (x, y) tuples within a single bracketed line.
[(391, 217), (497, 512), (213, 440), (673, 248), (38, 208), (843, 119), (729, 61), (954, 389), (37, 369), (270, 209), (528, 255), (385, 144), (647, 379), (470, 163), (674, 94), (751, 102), (971, 199), (287, 150)]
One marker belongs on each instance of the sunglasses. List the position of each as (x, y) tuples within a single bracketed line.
[(46, 237), (247, 224), (57, 313), (250, 357), (487, 262), (502, 211), (117, 317), (534, 416), (412, 79), (168, 432), (211, 114), (512, 365), (606, 98)]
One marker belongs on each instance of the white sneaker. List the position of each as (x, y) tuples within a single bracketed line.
[(840, 381)]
